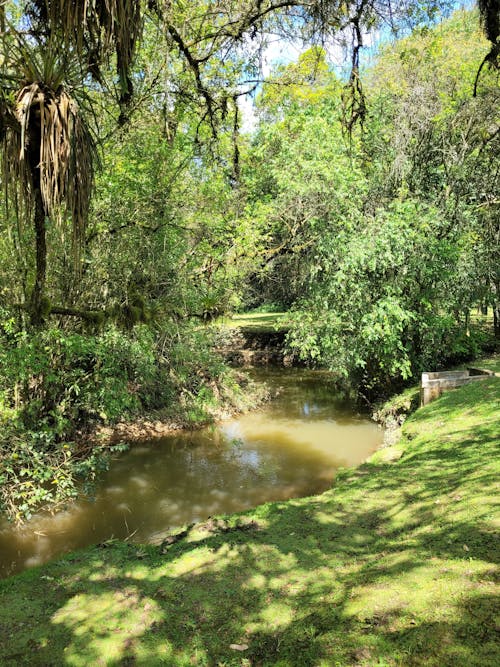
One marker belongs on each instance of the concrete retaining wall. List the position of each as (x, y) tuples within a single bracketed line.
[(434, 384)]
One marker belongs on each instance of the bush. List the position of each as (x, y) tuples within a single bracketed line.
[(381, 314), (63, 382)]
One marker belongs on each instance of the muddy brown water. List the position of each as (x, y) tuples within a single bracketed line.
[(289, 448)]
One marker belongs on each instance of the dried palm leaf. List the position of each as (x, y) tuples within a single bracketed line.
[(48, 152), (95, 28), (55, 152)]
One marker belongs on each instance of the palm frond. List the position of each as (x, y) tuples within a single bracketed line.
[(94, 28)]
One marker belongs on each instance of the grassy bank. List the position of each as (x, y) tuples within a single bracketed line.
[(256, 322), (392, 412), (393, 566)]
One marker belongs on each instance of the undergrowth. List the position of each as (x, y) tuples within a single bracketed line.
[(57, 388)]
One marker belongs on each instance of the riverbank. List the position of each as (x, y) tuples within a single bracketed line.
[(393, 412), (248, 395), (78, 399), (393, 566)]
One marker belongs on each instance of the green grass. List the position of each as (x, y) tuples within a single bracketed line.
[(396, 565), (255, 322), (491, 363)]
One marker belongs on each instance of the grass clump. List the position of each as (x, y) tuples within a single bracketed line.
[(395, 566)]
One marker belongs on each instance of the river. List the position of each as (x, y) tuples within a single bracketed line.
[(289, 448)]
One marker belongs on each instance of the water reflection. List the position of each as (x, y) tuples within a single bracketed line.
[(290, 448)]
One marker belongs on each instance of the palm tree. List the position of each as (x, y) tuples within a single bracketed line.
[(48, 150), (93, 29), (47, 59)]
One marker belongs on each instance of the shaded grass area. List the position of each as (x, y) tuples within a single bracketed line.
[(396, 565)]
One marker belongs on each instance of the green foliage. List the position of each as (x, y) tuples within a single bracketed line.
[(56, 387), (428, 137), (303, 84), (38, 472), (66, 381), (383, 247), (382, 314), (305, 190)]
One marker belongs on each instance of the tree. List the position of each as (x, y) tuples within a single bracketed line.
[(406, 241), (304, 186), (49, 151), (379, 314), (440, 144)]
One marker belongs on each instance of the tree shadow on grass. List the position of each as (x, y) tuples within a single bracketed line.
[(316, 581)]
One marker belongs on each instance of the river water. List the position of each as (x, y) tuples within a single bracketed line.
[(289, 448)]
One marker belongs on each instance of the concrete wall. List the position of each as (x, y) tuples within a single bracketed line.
[(435, 383)]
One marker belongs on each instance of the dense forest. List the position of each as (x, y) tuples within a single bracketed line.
[(143, 200)]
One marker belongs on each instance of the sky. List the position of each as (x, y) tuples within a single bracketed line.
[(279, 51)]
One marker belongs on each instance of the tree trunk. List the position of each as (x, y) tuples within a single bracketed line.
[(41, 261), (496, 320), (496, 308)]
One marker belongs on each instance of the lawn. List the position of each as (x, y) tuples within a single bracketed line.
[(255, 322)]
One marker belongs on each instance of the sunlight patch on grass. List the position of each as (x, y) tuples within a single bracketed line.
[(256, 322), (105, 625), (203, 559), (275, 615)]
